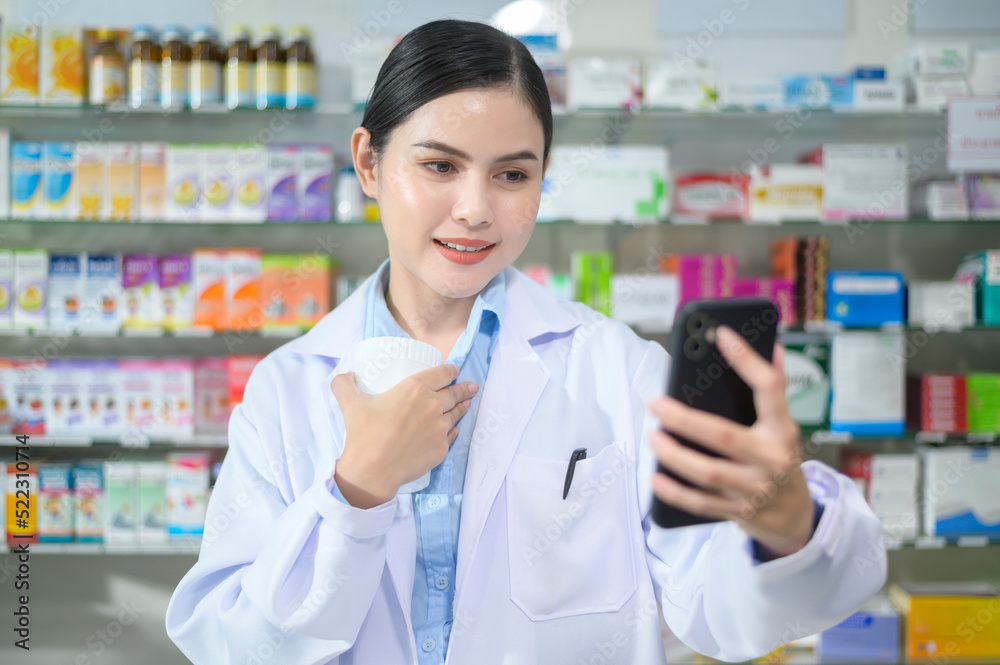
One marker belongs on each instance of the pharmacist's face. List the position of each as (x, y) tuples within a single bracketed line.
[(465, 166)]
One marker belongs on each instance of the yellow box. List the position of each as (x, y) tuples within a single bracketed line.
[(19, 64), (122, 181), (61, 70), (949, 620)]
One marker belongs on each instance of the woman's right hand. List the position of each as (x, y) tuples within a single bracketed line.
[(397, 436)]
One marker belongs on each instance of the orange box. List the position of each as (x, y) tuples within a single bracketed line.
[(949, 620), (22, 503), (295, 289), (243, 276), (208, 274), (62, 70), (19, 64)]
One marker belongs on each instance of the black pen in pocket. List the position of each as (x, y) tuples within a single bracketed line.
[(576, 456)]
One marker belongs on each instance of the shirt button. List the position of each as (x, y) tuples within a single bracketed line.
[(433, 502), (429, 644), (441, 582)]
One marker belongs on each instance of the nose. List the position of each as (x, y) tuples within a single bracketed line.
[(473, 204)]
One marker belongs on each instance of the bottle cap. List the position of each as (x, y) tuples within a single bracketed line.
[(203, 33), (299, 32), (379, 363), (269, 31), (239, 31), (174, 33), (143, 32)]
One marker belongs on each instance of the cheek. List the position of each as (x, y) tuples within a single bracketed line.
[(521, 211)]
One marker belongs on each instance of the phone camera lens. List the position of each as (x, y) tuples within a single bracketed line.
[(694, 348), (698, 322)]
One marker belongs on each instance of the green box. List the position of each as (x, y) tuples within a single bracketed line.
[(592, 273), (983, 402)]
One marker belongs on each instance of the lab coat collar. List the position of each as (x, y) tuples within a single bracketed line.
[(528, 306)]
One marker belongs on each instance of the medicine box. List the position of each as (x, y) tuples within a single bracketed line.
[(121, 199), (211, 396), (315, 183), (983, 270), (295, 289), (868, 383), (865, 181), (31, 276), (238, 370), (66, 405), (603, 83), (243, 277), (141, 290), (152, 502), (58, 180), (209, 268), (835, 91), (31, 396), (27, 532), (705, 196), (250, 202), (592, 273), (778, 290), (104, 398), (176, 291), (786, 192), (671, 85), (67, 285), (807, 369), (91, 179), (140, 398), (61, 66), (702, 275), (860, 299), (185, 177), (120, 503), (5, 173), (752, 94), (983, 402), (88, 500), (961, 496), (937, 403), (645, 300), (945, 304), (282, 190), (19, 58), (6, 289), (220, 162), (983, 195), (176, 398), (152, 181), (187, 483), (55, 503), (872, 634), (103, 303), (26, 169), (947, 620)]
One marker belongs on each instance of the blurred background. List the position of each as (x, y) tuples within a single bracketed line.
[(177, 200)]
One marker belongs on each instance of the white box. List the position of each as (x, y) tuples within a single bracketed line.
[(647, 300), (6, 289), (961, 495), (868, 376), (187, 494), (102, 294), (668, 85), (625, 183), (781, 192), (603, 83), (933, 92), (120, 503), (936, 58), (220, 163), (762, 94), (949, 304), (185, 178), (984, 79), (140, 393), (879, 95), (66, 409), (947, 200), (152, 497), (176, 398), (104, 398), (865, 181), (67, 284), (249, 184), (31, 278)]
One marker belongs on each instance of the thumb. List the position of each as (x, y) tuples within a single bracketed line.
[(344, 387)]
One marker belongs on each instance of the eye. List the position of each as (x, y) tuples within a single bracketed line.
[(436, 167), (517, 176)]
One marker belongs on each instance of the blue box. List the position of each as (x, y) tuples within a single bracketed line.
[(869, 74), (867, 635), (865, 298), (834, 91)]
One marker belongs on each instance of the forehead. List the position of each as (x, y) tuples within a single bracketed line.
[(480, 117)]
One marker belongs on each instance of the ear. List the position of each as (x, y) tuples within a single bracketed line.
[(364, 162), (545, 166)]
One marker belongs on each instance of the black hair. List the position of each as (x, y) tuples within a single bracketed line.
[(446, 56)]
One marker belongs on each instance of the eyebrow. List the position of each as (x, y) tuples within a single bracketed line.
[(444, 147)]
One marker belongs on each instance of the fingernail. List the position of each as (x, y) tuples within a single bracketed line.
[(473, 388)]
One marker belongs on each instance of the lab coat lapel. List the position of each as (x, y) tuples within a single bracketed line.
[(516, 379)]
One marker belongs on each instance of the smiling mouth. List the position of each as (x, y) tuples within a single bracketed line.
[(463, 248)]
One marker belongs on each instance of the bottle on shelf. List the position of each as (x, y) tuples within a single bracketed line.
[(270, 69), (206, 69), (240, 59), (144, 71), (107, 70), (176, 63), (300, 71)]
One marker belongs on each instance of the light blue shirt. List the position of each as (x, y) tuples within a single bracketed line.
[(437, 507)]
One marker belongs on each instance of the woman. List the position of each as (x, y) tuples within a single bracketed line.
[(320, 545)]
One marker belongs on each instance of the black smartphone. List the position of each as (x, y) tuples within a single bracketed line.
[(701, 378)]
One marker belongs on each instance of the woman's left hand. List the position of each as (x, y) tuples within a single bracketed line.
[(761, 486)]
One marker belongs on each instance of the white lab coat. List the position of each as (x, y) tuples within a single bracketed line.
[(289, 574)]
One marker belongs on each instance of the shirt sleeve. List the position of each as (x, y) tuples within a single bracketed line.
[(762, 555)]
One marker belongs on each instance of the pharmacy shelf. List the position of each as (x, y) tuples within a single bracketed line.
[(830, 328), (131, 440), (971, 438), (187, 548)]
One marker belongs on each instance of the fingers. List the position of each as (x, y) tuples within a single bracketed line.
[(766, 380), (455, 414), (437, 377), (714, 432), (459, 392), (693, 500), (344, 387), (700, 469)]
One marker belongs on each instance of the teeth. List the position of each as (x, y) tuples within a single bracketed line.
[(463, 248)]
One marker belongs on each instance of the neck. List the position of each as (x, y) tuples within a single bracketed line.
[(423, 313)]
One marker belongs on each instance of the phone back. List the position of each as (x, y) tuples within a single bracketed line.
[(701, 378)]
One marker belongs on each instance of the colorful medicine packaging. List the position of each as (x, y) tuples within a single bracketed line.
[(88, 501), (27, 530), (220, 162), (103, 302), (6, 289), (121, 506), (67, 285), (868, 377), (122, 180), (61, 66), (209, 269), (152, 181), (91, 179), (295, 289), (19, 58), (243, 277), (151, 490), (872, 634), (807, 368), (282, 190), (103, 395), (314, 183), (55, 503), (187, 480), (26, 169), (211, 390), (141, 290), (31, 272), (707, 196), (58, 180), (176, 291), (603, 83), (983, 270), (857, 298), (250, 201), (941, 620), (185, 178)]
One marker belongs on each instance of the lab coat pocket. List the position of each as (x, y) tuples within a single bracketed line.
[(572, 556)]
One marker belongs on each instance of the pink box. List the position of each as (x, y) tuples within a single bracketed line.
[(778, 290), (211, 396)]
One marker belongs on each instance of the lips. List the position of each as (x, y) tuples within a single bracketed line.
[(467, 242)]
